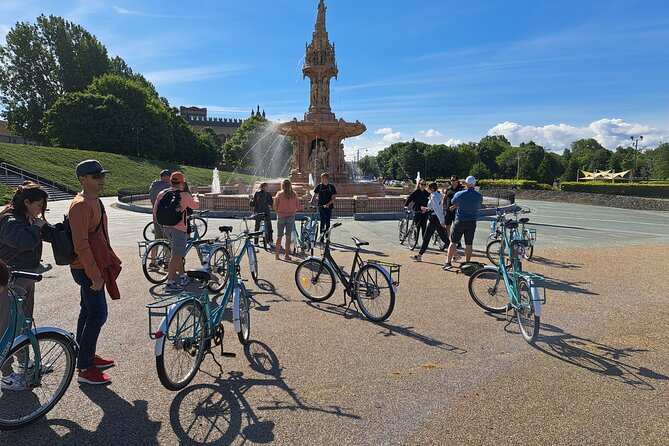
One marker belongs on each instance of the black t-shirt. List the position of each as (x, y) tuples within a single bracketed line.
[(325, 193), (450, 191)]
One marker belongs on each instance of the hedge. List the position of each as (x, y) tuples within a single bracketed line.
[(632, 190)]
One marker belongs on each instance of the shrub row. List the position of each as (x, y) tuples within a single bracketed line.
[(632, 190)]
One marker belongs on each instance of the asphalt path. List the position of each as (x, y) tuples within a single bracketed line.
[(438, 371)]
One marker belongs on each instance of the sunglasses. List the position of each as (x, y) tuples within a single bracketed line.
[(97, 176)]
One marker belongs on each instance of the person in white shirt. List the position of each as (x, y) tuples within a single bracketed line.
[(437, 222)]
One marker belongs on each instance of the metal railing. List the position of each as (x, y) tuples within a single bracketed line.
[(6, 169)]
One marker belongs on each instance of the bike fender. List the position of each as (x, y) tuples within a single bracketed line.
[(39, 330), (236, 295), (536, 299), (327, 262), (163, 328), (387, 274)]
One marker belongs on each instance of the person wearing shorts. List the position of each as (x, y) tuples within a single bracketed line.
[(453, 189), (466, 204), (178, 234), (285, 205)]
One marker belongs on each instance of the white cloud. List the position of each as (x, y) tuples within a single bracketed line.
[(185, 75), (383, 131), (453, 142), (610, 133), (431, 133), (392, 137)]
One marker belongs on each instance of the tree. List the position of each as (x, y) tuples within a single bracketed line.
[(660, 161), (481, 171), (489, 148), (466, 158), (39, 63), (369, 167), (545, 171)]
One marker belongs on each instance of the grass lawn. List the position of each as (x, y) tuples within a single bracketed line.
[(6, 194), (127, 172)]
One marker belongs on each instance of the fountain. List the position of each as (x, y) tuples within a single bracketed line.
[(215, 182), (312, 183)]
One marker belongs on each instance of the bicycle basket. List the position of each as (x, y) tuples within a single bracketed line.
[(392, 268), (141, 246), (159, 309), (533, 235)]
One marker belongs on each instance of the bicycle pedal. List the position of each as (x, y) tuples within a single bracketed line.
[(229, 354)]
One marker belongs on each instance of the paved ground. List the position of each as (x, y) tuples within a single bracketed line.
[(439, 371)]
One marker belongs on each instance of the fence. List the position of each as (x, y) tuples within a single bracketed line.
[(7, 169)]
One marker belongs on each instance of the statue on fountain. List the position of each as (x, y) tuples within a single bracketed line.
[(318, 161)]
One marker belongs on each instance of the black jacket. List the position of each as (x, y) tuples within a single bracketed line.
[(20, 242), (419, 198)]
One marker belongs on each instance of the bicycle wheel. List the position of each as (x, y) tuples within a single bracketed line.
[(149, 232), (403, 226), (219, 259), (439, 242), (528, 321), (156, 261), (244, 333), (201, 225), (183, 346), (312, 287), (374, 293), (413, 237), (487, 288), (20, 407), (253, 263), (492, 251)]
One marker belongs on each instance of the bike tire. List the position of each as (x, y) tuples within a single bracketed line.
[(157, 274), (374, 293), (58, 351), (413, 237), (487, 291), (244, 334), (253, 264), (219, 262), (305, 274), (492, 251), (201, 224), (403, 226), (149, 233), (528, 321), (187, 333), (529, 252)]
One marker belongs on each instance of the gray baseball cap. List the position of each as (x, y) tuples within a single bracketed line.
[(89, 167)]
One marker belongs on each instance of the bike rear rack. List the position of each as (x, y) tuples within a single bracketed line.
[(533, 235), (539, 282), (141, 246), (392, 268), (160, 308)]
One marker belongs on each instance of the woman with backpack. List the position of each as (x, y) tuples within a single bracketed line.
[(285, 205), (21, 224)]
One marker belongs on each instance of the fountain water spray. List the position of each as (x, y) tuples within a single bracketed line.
[(215, 182)]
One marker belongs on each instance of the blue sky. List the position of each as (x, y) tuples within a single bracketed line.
[(438, 71)]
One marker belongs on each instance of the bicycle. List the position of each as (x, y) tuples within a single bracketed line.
[(219, 251), (404, 223), (42, 360), (494, 243), (412, 229), (156, 255), (370, 284), (202, 225), (190, 321), (305, 240), (505, 287), (263, 227)]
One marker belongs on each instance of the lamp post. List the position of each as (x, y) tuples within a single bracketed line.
[(635, 144), (425, 159)]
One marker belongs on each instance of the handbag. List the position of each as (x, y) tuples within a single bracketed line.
[(105, 257)]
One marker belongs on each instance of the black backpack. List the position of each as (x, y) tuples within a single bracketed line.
[(60, 237), (168, 211)]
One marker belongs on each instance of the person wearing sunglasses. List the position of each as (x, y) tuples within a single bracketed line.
[(86, 216), (418, 200)]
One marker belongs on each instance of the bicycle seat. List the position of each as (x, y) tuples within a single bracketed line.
[(524, 220), (225, 229), (522, 242), (199, 274), (359, 242), (511, 224)]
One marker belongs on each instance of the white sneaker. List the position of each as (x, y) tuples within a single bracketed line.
[(14, 382)]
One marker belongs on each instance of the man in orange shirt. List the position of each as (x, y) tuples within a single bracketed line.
[(86, 215), (178, 234)]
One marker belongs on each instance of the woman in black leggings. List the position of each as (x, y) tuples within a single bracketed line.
[(437, 223), (419, 198)]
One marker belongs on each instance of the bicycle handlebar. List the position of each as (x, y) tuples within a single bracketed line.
[(25, 275)]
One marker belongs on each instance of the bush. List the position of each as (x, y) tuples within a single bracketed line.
[(632, 190), (518, 184), (6, 194)]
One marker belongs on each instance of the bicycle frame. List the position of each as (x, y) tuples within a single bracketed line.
[(308, 228)]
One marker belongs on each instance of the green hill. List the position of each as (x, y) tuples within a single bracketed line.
[(127, 172), (5, 194)]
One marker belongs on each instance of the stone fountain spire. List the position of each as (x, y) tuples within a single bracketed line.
[(320, 67)]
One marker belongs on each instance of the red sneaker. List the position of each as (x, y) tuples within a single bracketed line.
[(103, 363), (93, 376)]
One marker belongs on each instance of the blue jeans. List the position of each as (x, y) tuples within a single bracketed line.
[(92, 317)]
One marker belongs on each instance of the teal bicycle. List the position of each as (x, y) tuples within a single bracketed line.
[(156, 255), (190, 322), (304, 241), (37, 363), (506, 287)]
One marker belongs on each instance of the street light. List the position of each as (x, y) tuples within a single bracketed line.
[(635, 144), (425, 159)]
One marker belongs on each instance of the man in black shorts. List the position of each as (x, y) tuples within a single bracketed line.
[(466, 205)]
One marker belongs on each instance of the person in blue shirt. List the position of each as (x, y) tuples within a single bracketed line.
[(466, 204)]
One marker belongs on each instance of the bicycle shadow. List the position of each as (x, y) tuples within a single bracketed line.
[(568, 287), (220, 413), (266, 288), (596, 357), (388, 330), (554, 264)]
